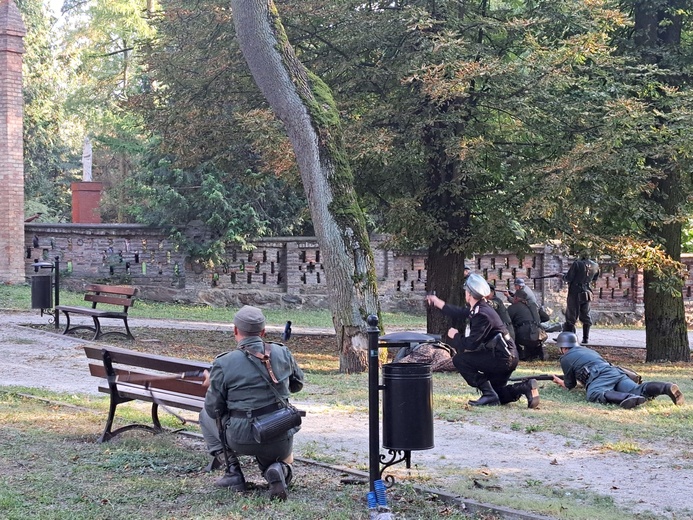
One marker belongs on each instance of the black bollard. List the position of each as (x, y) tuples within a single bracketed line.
[(373, 400)]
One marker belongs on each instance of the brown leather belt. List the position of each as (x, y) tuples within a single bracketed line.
[(257, 412)]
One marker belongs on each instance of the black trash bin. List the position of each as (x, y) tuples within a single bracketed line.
[(407, 406), (41, 291)]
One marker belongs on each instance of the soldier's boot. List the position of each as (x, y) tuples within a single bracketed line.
[(528, 388), (489, 397), (623, 399), (276, 475), (671, 389), (535, 352), (585, 334), (233, 477)]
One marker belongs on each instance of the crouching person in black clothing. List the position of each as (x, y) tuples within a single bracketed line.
[(487, 357)]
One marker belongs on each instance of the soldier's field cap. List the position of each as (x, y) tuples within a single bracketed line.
[(520, 282), (477, 286), (249, 319)]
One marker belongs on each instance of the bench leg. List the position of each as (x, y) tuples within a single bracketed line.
[(100, 334), (97, 328), (69, 330), (125, 320), (155, 417), (109, 434)]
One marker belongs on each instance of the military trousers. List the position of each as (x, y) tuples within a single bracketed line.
[(266, 453)]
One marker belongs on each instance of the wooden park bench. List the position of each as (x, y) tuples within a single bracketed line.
[(114, 295), (163, 381)]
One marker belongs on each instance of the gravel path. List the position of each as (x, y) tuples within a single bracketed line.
[(659, 480)]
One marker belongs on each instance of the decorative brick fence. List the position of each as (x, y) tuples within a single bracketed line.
[(288, 271)]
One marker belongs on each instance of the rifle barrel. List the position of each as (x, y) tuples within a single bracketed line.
[(539, 377)]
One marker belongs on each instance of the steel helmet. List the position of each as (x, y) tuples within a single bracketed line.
[(566, 340), (477, 286)]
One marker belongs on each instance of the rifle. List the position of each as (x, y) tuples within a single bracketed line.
[(148, 378), (539, 377), (222, 437), (555, 275)]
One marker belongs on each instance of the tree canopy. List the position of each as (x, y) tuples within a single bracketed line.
[(469, 126)]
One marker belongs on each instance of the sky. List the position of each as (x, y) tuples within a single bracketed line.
[(54, 6)]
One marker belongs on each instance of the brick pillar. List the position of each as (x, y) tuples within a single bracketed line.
[(12, 33), (85, 202)]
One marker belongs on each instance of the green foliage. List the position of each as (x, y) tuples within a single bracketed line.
[(231, 210), (202, 163), (49, 164)]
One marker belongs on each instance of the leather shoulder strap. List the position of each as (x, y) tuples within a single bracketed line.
[(264, 359)]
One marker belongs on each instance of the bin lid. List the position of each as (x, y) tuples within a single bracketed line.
[(43, 264), (408, 337)]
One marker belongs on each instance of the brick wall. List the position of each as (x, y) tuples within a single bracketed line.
[(11, 146), (288, 271)]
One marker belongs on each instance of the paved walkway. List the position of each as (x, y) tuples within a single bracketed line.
[(599, 337)]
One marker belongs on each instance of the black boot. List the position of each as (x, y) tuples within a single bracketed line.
[(233, 478), (276, 474), (623, 399), (489, 397), (671, 389), (536, 351), (529, 389), (585, 334)]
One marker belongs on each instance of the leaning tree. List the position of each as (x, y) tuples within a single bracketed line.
[(304, 103)]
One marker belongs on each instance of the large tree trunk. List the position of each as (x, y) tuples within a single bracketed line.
[(665, 337), (306, 107), (445, 277), (657, 24), (666, 332)]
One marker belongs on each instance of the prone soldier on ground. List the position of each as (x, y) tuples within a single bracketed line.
[(603, 382)]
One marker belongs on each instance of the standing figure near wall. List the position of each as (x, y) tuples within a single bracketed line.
[(579, 277)]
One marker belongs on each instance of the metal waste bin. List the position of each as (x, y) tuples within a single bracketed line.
[(41, 291), (407, 406)]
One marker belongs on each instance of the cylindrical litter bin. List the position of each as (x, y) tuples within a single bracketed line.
[(41, 294), (407, 406)]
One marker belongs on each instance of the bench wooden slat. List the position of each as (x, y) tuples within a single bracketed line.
[(111, 300), (126, 290), (128, 375), (179, 386), (92, 312), (193, 404), (124, 356)]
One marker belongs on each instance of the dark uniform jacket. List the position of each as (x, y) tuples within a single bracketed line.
[(235, 384), (581, 364), (526, 320), (581, 274), (497, 304), (484, 325)]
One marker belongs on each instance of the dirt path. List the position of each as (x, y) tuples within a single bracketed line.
[(658, 481)]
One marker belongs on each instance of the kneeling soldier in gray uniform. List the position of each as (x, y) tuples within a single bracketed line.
[(238, 390), (605, 383)]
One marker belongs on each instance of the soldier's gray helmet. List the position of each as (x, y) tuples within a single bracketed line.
[(567, 340), (477, 286)]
